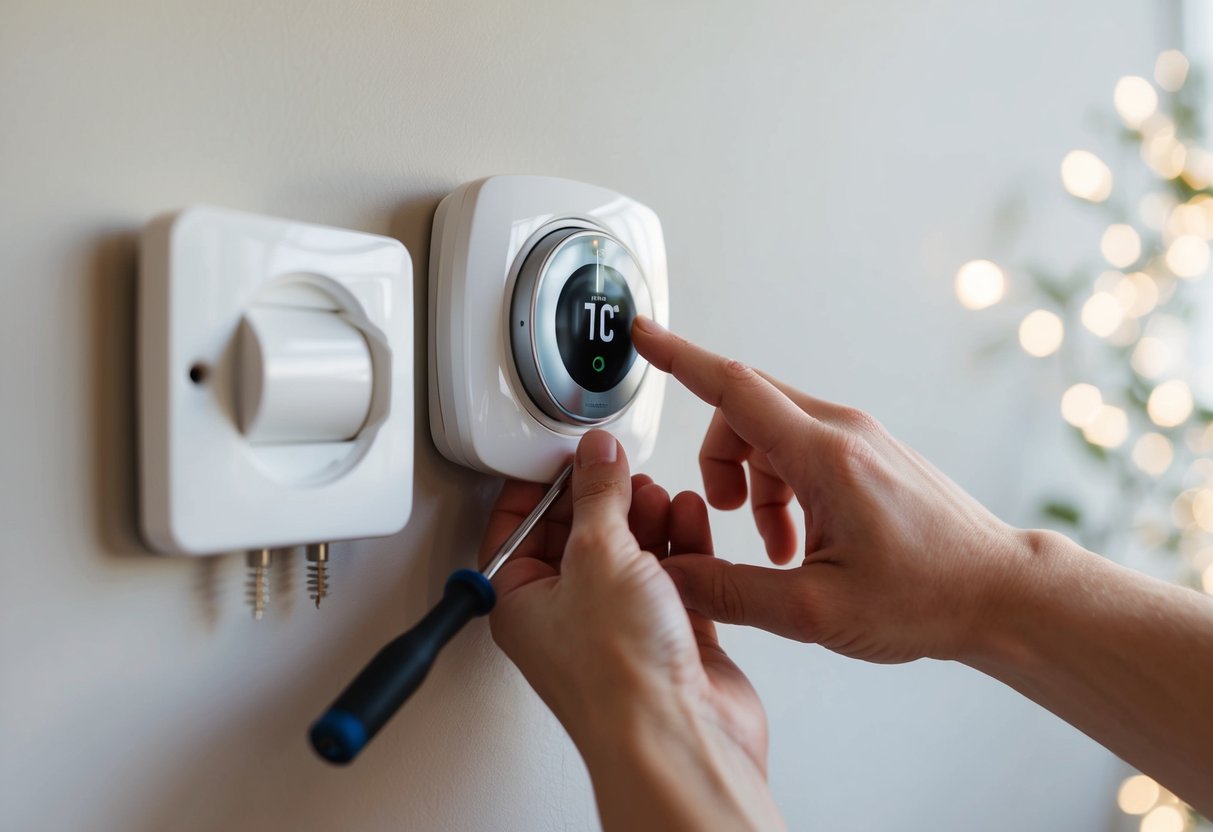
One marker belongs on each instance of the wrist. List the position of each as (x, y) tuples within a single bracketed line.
[(1031, 571), (662, 761)]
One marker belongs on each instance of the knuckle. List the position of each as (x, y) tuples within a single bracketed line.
[(805, 614), (599, 489), (727, 601), (590, 539), (739, 373), (850, 455), (859, 421)]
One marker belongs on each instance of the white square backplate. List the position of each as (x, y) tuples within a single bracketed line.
[(479, 414), (205, 488)]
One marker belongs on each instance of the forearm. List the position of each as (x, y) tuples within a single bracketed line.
[(1124, 658), (662, 766)]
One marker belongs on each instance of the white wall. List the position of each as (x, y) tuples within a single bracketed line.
[(821, 169)]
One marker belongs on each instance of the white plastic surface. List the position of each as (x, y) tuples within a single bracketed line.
[(305, 376), (479, 414), (205, 488)]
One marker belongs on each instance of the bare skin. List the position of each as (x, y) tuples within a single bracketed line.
[(899, 564)]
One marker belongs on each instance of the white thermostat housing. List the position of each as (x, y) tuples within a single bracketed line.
[(534, 284), (275, 383)]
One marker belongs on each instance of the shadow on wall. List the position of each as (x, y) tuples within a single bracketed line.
[(115, 480)]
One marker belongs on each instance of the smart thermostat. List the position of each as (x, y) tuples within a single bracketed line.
[(534, 285)]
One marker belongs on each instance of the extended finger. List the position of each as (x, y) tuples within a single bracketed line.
[(781, 601), (758, 412)]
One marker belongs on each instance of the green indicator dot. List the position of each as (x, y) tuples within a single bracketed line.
[(599, 363)]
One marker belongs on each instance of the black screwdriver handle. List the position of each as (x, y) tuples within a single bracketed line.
[(397, 670)]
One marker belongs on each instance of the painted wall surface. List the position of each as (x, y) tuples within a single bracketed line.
[(821, 169)]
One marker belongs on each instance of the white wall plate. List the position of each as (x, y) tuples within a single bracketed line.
[(316, 314), (488, 237)]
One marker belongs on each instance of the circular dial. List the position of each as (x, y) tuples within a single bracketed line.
[(594, 327), (577, 293)]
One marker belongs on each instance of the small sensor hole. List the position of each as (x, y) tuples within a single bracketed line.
[(198, 373)]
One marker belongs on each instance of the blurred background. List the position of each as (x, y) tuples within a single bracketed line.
[(956, 214)]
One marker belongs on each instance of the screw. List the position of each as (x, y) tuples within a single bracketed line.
[(258, 581), (317, 576)]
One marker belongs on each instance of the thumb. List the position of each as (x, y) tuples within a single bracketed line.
[(601, 489), (780, 601)]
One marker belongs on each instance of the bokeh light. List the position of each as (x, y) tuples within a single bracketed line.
[(1205, 203), (1041, 333), (1153, 454), (1121, 245), (1206, 579), (980, 284), (1181, 510), (1161, 150), (1202, 508), (1191, 218), (1135, 100), (1138, 794), (1080, 404), (1085, 176), (1164, 819), (1171, 70), (1188, 256), (1170, 403), (1126, 334), (1198, 168), (1109, 428), (1144, 297), (1152, 357), (1102, 314)]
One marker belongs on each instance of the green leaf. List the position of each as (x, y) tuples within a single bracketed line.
[(1064, 512), (1137, 397), (1052, 286), (1090, 447)]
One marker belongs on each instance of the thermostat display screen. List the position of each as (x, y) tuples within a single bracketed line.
[(594, 327)]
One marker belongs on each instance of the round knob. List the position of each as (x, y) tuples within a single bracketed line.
[(304, 376), (577, 293)]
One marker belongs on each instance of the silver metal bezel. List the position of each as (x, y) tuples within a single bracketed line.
[(544, 271)]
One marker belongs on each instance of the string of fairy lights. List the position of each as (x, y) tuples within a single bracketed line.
[(1139, 308)]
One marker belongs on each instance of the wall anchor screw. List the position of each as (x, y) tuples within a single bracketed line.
[(317, 574), (259, 581)]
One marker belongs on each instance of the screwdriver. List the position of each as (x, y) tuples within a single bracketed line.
[(397, 670)]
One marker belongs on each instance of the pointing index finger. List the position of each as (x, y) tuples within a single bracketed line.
[(757, 411)]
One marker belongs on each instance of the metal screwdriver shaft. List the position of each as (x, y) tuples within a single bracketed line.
[(511, 544), (398, 669)]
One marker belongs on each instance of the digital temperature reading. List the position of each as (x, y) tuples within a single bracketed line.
[(593, 327)]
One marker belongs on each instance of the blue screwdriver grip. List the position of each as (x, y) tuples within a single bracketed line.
[(397, 670)]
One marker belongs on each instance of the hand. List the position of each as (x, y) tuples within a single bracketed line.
[(598, 629), (899, 563)]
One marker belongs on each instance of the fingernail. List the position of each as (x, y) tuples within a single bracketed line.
[(648, 325), (597, 448)]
